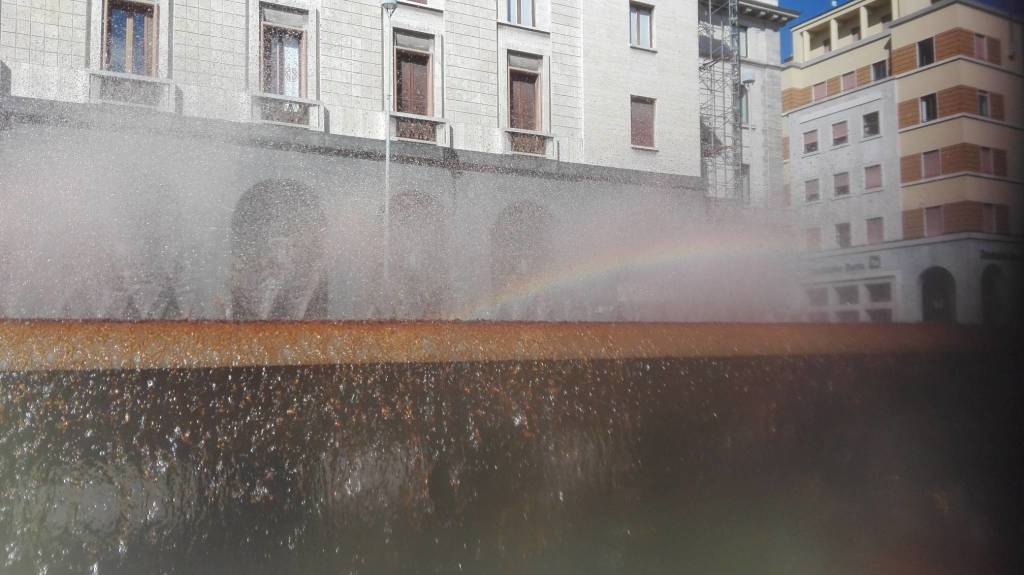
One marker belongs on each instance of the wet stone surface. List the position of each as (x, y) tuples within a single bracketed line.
[(782, 465)]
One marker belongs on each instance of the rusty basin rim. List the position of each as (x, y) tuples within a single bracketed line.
[(50, 345)]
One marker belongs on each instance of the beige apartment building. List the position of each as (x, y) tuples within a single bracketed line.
[(904, 134)]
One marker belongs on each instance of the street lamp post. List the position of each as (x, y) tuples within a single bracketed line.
[(387, 7)]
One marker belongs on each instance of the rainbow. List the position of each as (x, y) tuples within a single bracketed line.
[(655, 256)]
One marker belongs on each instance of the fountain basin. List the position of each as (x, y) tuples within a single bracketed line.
[(500, 448)]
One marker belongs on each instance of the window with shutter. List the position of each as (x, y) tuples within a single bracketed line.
[(875, 231), (524, 92), (811, 193), (842, 184), (840, 134), (810, 141), (980, 47), (413, 73), (642, 122), (819, 91), (931, 164), (985, 161), (872, 177), (849, 81), (933, 221)]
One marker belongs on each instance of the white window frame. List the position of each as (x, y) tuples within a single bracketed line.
[(638, 6), (517, 6)]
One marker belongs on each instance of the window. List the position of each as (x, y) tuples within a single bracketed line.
[(745, 180), (880, 315), (519, 12), (929, 108), (840, 134), (855, 32), (985, 161), (848, 295), (988, 218), (810, 141), (879, 70), (871, 124), (983, 107), (813, 238), (131, 38), (848, 316), (849, 81), (842, 184), (743, 41), (284, 54), (933, 221), (925, 52), (817, 296), (931, 164), (827, 45), (641, 29), (980, 47), (811, 193), (524, 102), (744, 106), (843, 237), (413, 73), (875, 231), (820, 91), (642, 121), (880, 292), (873, 177), (524, 92)]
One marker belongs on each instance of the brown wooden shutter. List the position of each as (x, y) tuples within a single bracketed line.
[(413, 83), (995, 54), (996, 106), (523, 101), (642, 122), (999, 162)]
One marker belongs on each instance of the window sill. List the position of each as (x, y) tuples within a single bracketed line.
[(132, 90), (422, 5), (845, 196), (809, 154), (131, 77), (522, 27), (530, 133), (408, 116), (280, 98), (874, 190), (644, 148), (839, 146), (644, 48), (812, 202), (869, 138)]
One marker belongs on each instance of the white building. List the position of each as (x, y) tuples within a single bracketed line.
[(533, 138)]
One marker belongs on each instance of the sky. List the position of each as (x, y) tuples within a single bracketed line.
[(811, 8)]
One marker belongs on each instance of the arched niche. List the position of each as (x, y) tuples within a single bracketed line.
[(419, 256), (994, 298), (938, 296), (521, 248), (277, 253)]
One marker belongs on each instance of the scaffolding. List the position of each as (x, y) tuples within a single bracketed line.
[(720, 101)]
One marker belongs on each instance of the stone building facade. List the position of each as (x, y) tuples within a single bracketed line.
[(216, 159)]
